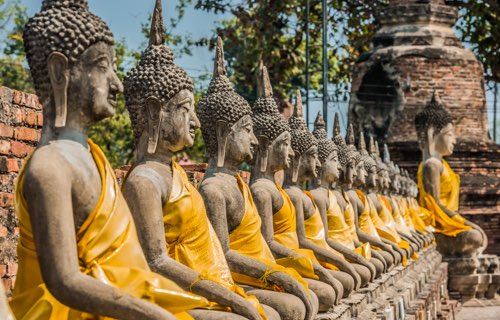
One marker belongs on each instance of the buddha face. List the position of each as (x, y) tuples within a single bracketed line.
[(445, 140), (371, 179), (180, 122), (93, 85), (330, 168), (309, 163), (348, 172), (395, 184), (280, 152), (241, 141), (361, 174)]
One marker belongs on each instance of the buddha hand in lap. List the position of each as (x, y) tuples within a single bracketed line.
[(169, 212), (67, 197), (227, 130), (439, 186)]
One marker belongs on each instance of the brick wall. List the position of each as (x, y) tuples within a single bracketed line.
[(20, 126)]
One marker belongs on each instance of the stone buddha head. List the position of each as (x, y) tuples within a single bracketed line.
[(435, 129), (361, 174), (394, 179), (226, 120), (305, 163), (271, 129), (382, 170), (159, 97), (72, 61), (327, 152), (347, 158), (368, 162)]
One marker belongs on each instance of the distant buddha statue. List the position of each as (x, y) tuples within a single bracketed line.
[(79, 255), (275, 207), (311, 230), (176, 235), (227, 129), (439, 186)]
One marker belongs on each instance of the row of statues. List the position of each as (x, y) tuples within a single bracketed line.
[(159, 248)]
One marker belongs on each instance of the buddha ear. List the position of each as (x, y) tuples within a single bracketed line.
[(153, 107), (222, 129), (263, 152), (59, 72), (295, 167), (430, 140)]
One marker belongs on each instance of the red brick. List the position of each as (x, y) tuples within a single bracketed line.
[(19, 116), (6, 199), (20, 149), (4, 147), (39, 121), (31, 118), (6, 131), (7, 283), (3, 270), (3, 231), (8, 165), (26, 134), (11, 268)]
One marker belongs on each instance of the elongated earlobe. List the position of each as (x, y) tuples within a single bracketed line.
[(59, 74), (222, 130), (155, 117), (263, 152), (295, 168)]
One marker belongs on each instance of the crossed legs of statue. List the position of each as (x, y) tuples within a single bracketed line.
[(199, 314)]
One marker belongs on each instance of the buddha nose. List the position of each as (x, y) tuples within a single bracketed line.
[(195, 122), (253, 140)]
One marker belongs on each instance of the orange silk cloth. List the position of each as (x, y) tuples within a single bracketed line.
[(108, 250), (285, 233), (418, 215), (191, 239), (247, 239), (315, 232), (365, 220), (449, 190), (338, 229)]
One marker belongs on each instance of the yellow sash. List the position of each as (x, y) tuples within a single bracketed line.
[(247, 239), (449, 190), (398, 216), (285, 233), (365, 220), (108, 250), (315, 232), (338, 229), (349, 216), (191, 239), (418, 215)]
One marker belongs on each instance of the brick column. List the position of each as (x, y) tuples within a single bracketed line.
[(20, 126)]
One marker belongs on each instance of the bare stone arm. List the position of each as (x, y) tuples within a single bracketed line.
[(144, 196), (50, 189), (321, 253), (216, 209)]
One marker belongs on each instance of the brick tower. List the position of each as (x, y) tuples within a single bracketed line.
[(415, 52)]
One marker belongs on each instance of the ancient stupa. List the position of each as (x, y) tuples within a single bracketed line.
[(414, 53)]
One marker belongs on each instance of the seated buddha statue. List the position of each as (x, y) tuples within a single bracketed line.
[(310, 225), (227, 129), (353, 176), (176, 236), (275, 208), (79, 254), (439, 185), (340, 234)]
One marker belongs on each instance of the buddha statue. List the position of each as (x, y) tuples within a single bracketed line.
[(381, 213), (439, 186), (227, 129), (5, 311), (79, 254), (339, 233), (275, 207), (169, 212), (353, 202), (310, 225)]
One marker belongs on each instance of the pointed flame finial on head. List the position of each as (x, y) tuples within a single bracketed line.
[(387, 155), (298, 111), (264, 88), (350, 135), (362, 143), (319, 123), (219, 67), (377, 150), (157, 31), (371, 145), (336, 124)]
